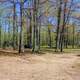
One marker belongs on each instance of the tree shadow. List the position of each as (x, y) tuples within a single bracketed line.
[(14, 53), (8, 53)]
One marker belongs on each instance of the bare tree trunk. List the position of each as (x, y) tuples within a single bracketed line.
[(35, 24), (29, 32), (21, 46), (73, 36), (0, 34), (49, 34), (14, 26), (39, 32), (67, 38), (9, 36), (63, 28), (17, 36), (4, 43), (33, 32), (30, 41), (58, 26)]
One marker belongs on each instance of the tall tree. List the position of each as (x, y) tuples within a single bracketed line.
[(49, 34), (14, 25), (73, 36), (58, 24), (29, 30), (21, 45), (35, 27), (63, 26)]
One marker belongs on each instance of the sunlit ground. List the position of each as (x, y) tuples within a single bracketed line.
[(46, 66)]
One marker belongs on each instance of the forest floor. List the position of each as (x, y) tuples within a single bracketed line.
[(39, 66)]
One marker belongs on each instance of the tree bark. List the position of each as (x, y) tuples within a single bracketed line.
[(21, 45), (35, 25), (58, 26), (14, 26), (63, 28)]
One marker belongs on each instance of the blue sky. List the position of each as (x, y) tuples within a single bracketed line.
[(51, 19)]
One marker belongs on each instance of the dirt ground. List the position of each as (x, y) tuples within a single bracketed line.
[(40, 67)]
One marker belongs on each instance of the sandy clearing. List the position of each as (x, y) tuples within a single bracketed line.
[(40, 67)]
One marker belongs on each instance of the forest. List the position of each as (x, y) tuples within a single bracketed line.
[(39, 24), (40, 32)]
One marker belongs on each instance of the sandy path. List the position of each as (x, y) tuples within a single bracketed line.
[(44, 67)]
